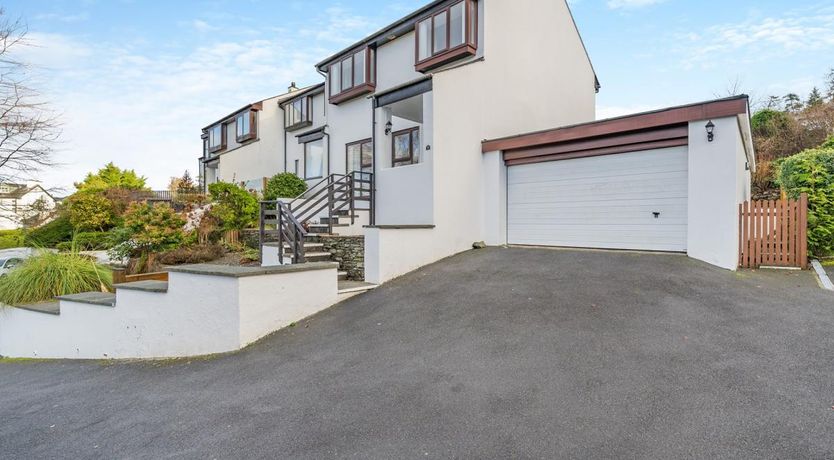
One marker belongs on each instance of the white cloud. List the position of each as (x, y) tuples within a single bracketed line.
[(145, 111), (631, 4), (757, 40)]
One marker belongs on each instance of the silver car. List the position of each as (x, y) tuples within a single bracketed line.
[(6, 265)]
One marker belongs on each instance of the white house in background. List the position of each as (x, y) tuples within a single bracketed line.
[(24, 204)]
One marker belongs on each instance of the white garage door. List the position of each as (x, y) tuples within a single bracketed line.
[(601, 202)]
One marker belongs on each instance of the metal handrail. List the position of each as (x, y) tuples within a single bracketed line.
[(336, 192)]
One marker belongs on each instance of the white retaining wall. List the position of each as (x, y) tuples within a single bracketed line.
[(203, 312)]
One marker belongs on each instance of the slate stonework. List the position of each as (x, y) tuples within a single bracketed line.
[(349, 251)]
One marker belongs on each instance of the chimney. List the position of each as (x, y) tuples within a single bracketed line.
[(292, 87)]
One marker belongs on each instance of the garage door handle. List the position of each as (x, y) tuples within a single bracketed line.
[(656, 215)]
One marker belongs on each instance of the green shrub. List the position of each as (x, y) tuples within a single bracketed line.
[(770, 122), (191, 254), (11, 239), (48, 274), (154, 227), (86, 241), (812, 172), (234, 207), (50, 234), (91, 211), (284, 185)]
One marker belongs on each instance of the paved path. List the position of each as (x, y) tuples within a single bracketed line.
[(498, 353)]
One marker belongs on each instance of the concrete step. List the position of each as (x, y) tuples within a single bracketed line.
[(308, 247), (342, 275), (51, 307), (346, 287), (147, 286), (104, 299), (315, 256)]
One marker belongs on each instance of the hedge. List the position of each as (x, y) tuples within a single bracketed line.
[(50, 234), (812, 171), (11, 239)]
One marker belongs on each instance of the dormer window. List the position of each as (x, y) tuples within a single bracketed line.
[(352, 76), (216, 138), (298, 113), (246, 125), (447, 35)]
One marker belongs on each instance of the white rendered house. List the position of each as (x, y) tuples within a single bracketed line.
[(394, 147), (22, 204)]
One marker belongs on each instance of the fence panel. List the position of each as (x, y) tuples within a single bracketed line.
[(773, 233)]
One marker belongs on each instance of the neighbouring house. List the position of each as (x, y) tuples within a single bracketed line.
[(247, 146), (24, 205), (415, 142)]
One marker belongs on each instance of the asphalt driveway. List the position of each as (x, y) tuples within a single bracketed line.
[(497, 353)]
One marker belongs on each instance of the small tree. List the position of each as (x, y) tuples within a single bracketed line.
[(234, 207), (111, 176), (815, 98), (186, 184), (793, 103), (91, 211), (284, 185)]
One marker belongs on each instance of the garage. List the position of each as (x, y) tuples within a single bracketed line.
[(634, 200), (667, 180)]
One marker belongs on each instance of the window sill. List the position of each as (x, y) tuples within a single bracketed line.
[(296, 126), (458, 52), (246, 138), (352, 93), (313, 178)]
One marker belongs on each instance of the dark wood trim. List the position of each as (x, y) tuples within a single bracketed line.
[(306, 115), (410, 160), (368, 86), (448, 53), (222, 146), (446, 57), (650, 120), (674, 132), (359, 143), (253, 127), (602, 151)]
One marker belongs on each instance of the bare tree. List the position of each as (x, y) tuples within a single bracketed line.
[(28, 129)]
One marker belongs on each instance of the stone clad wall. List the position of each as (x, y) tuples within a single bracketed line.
[(349, 251)]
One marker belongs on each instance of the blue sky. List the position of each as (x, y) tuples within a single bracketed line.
[(135, 81)]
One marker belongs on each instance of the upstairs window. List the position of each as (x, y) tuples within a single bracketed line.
[(246, 125), (298, 113), (216, 138), (352, 76), (447, 35)]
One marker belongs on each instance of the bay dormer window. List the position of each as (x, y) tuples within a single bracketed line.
[(446, 35), (217, 138), (246, 125), (352, 76), (298, 113)]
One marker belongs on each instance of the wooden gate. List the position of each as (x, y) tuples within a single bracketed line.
[(773, 233)]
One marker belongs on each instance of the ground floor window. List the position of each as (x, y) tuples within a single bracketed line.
[(314, 159), (360, 156), (406, 148)]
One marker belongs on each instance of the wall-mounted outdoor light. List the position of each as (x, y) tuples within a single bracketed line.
[(388, 127), (710, 131)]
